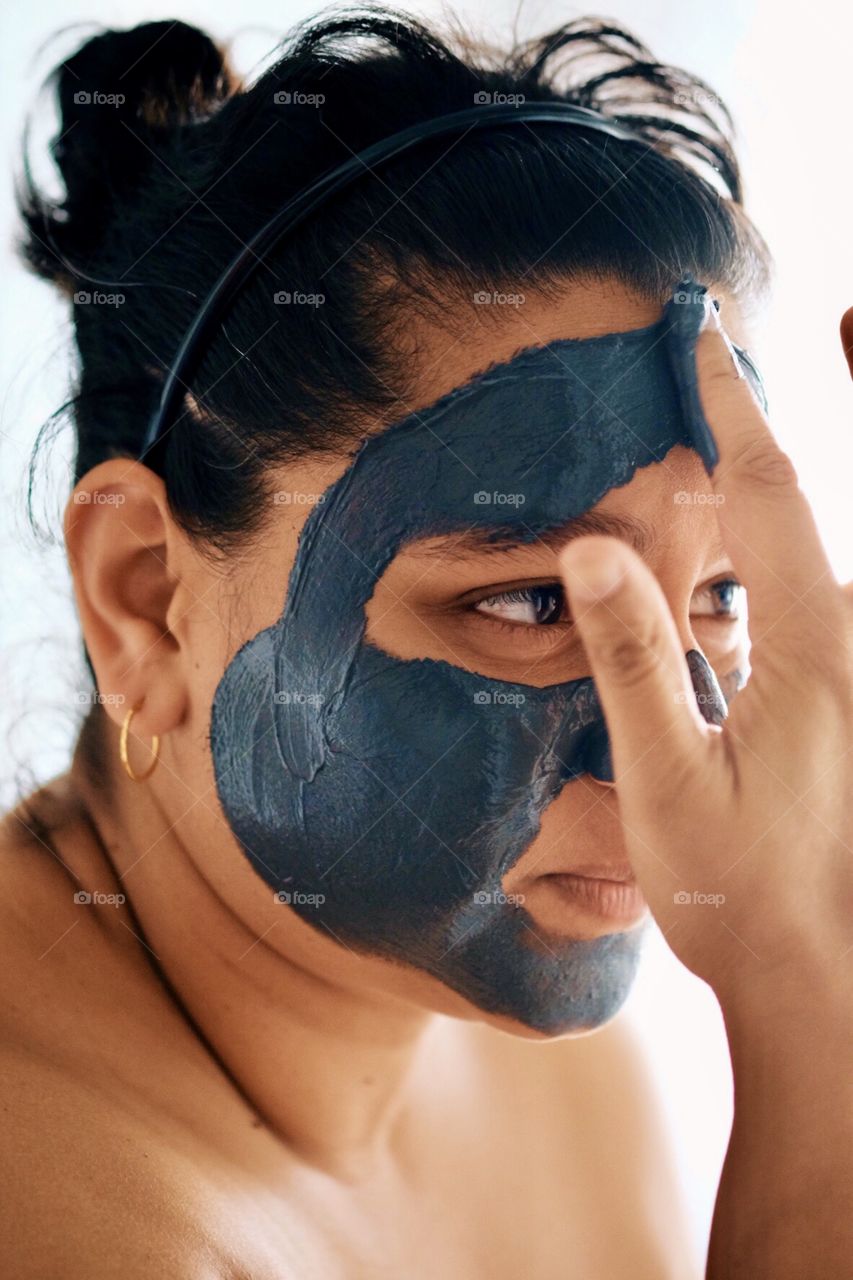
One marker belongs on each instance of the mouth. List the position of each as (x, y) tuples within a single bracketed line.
[(621, 872), (609, 892)]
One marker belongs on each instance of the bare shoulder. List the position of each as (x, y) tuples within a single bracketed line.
[(68, 947), (95, 1177), (86, 1191)]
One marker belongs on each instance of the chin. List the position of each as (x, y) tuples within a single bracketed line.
[(543, 987)]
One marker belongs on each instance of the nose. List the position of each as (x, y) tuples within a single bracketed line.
[(709, 697)]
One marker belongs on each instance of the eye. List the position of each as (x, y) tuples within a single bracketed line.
[(545, 605), (531, 606), (725, 599)]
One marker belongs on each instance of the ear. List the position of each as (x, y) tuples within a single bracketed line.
[(847, 337), (125, 552)]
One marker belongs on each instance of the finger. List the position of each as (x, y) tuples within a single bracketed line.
[(640, 672), (847, 337), (766, 522)]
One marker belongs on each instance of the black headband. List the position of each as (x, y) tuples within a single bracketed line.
[(305, 202), (297, 209)]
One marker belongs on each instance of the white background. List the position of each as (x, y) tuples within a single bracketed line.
[(786, 80)]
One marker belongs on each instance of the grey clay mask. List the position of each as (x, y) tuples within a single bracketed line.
[(391, 786)]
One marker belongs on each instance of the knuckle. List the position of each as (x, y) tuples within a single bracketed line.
[(631, 658), (816, 665), (765, 464)]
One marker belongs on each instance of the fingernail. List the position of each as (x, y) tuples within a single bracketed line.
[(713, 321), (711, 318)]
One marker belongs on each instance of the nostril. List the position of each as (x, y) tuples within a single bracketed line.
[(599, 763), (588, 749)]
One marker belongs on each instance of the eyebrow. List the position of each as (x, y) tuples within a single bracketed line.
[(504, 539)]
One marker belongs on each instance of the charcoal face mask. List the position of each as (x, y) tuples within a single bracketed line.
[(403, 791)]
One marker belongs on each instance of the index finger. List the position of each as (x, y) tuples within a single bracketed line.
[(766, 522)]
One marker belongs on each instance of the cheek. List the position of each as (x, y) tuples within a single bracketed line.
[(431, 783), (725, 645), (535, 656), (734, 679)]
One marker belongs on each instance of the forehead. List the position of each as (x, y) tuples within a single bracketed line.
[(518, 450), (444, 360), (480, 334), (664, 508)]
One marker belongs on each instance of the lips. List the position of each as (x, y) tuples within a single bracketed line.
[(619, 900), (621, 872)]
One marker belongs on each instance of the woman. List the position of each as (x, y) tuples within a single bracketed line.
[(345, 806)]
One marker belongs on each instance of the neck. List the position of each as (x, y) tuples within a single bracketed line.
[(323, 1062)]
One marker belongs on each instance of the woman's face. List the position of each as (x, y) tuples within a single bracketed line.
[(400, 709)]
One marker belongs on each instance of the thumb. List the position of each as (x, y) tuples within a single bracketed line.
[(658, 736)]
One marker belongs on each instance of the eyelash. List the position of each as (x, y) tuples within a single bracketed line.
[(522, 595)]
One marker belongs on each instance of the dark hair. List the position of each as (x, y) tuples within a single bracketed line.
[(169, 165)]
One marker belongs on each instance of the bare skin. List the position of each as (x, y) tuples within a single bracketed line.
[(202, 1085)]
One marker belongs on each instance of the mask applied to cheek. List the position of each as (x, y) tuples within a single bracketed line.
[(386, 798)]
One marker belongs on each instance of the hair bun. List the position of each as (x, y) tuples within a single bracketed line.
[(121, 96)]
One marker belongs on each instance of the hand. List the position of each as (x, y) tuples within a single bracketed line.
[(760, 810)]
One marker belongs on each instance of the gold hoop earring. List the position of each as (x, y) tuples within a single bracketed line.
[(122, 749)]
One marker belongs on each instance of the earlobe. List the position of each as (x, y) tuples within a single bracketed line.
[(122, 548)]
